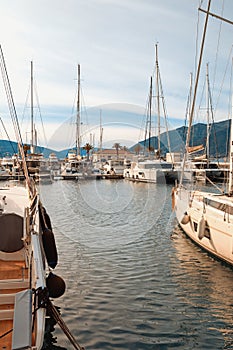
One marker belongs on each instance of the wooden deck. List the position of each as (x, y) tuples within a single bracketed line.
[(13, 278)]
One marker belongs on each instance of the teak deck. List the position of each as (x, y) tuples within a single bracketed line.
[(9, 270)]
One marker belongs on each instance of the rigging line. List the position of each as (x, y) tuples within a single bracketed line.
[(196, 44), (146, 126), (14, 117), (229, 110), (4, 81), (187, 112), (38, 104), (201, 99), (213, 124), (217, 51), (224, 76), (62, 324), (195, 92), (143, 123), (25, 106), (216, 16), (7, 135), (165, 116), (10, 99), (84, 110)]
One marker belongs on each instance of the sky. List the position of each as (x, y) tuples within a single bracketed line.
[(114, 43)]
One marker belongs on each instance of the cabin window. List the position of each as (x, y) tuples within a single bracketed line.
[(217, 205)]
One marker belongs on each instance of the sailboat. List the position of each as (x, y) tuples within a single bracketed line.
[(206, 217), (36, 163), (200, 167), (155, 169), (75, 168), (28, 256)]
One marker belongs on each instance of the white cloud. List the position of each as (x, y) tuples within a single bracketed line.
[(114, 41)]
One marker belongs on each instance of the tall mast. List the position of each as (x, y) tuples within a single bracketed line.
[(32, 116), (207, 114), (77, 141), (150, 108), (101, 132), (230, 189), (158, 104), (195, 92)]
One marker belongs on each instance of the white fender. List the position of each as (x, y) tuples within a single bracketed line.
[(201, 228), (186, 218)]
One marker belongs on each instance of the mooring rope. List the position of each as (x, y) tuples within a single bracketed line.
[(57, 317)]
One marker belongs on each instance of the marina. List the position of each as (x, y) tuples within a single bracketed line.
[(132, 281), (117, 233)]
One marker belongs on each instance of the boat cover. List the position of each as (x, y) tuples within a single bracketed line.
[(22, 326)]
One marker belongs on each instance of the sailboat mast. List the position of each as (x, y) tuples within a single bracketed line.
[(32, 115), (195, 92), (230, 188), (77, 141), (101, 132), (150, 108), (158, 104), (207, 114)]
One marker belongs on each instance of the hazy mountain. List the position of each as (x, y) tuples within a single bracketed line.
[(218, 141)]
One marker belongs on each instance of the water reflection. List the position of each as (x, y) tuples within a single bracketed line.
[(134, 288), (206, 285)]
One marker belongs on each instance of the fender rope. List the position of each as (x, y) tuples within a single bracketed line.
[(57, 317)]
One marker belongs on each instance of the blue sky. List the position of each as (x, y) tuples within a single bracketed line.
[(114, 42)]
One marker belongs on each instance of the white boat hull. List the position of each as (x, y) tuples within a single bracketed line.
[(15, 203), (208, 226)]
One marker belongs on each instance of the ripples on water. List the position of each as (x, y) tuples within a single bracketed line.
[(133, 282)]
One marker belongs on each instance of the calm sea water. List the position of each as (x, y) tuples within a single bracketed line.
[(133, 280)]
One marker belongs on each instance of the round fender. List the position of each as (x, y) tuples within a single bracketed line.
[(186, 218), (56, 285), (201, 228)]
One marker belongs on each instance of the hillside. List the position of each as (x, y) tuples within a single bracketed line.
[(219, 136)]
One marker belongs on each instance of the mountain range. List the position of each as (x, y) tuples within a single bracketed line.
[(219, 133)]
